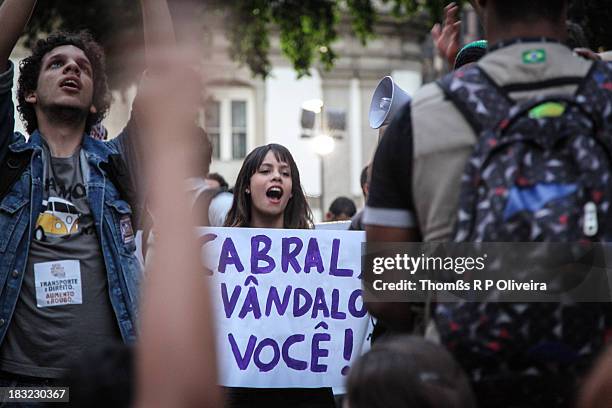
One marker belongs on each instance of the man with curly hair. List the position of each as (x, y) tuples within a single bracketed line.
[(68, 276)]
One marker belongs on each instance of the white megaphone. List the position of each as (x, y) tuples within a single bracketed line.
[(387, 100)]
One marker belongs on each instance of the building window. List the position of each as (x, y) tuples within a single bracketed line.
[(212, 113), (239, 129), (229, 121)]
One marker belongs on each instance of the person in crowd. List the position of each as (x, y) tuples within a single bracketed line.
[(415, 189), (65, 219), (364, 181), (447, 40), (341, 209), (407, 372), (215, 201), (447, 36), (196, 183), (470, 53), (215, 180), (268, 194)]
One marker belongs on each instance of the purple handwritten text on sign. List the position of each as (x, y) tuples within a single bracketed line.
[(298, 308), (229, 304), (251, 304), (292, 362), (353, 305), (273, 298), (319, 304), (242, 360), (318, 352), (229, 256), (333, 266), (335, 314), (313, 257), (254, 349), (289, 256), (282, 323), (258, 255), (264, 367)]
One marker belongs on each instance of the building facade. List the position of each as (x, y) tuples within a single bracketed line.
[(242, 112)]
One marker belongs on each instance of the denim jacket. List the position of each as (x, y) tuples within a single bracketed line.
[(19, 210), (21, 205)]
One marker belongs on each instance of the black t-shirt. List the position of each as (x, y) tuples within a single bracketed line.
[(390, 196), (63, 309)]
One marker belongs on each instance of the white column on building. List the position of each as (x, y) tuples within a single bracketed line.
[(354, 129), (226, 129)]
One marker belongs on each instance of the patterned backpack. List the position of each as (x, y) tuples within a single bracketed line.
[(541, 171)]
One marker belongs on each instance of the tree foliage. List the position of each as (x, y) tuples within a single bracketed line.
[(115, 24), (307, 29)]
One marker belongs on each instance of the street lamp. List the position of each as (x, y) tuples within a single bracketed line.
[(325, 124), (323, 145)]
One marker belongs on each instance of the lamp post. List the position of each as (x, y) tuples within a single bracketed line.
[(322, 124), (323, 145)]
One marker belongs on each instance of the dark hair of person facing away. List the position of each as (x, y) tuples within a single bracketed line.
[(516, 11), (408, 372), (343, 205), (30, 70), (219, 179), (204, 145), (297, 214), (575, 36), (363, 179)]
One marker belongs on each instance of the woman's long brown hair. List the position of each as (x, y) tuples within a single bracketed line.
[(297, 214)]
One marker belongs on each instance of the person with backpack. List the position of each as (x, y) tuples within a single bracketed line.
[(443, 156), (70, 280)]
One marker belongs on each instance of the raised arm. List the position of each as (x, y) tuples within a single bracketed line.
[(176, 352), (158, 29), (131, 143), (14, 15)]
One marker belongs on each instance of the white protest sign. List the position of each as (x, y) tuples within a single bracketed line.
[(288, 305)]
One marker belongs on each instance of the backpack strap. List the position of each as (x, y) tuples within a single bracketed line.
[(595, 96), (11, 168), (480, 100)]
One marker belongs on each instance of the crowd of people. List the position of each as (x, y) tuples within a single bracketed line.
[(441, 172)]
